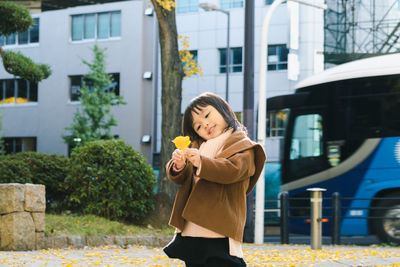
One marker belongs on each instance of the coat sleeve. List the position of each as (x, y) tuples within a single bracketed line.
[(180, 178), (237, 167)]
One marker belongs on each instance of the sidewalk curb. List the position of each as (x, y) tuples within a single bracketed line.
[(77, 241)]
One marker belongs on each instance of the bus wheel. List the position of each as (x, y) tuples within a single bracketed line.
[(387, 225)]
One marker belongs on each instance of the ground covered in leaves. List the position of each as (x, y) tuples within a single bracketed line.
[(255, 255)]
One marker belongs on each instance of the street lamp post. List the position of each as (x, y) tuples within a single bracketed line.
[(262, 111), (211, 7)]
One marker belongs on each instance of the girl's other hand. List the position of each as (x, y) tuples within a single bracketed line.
[(193, 155), (177, 158)]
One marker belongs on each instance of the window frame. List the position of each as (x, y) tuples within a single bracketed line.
[(222, 60), (229, 4), (96, 35), (14, 141), (279, 62), (17, 93), (16, 36), (276, 126), (192, 6), (113, 74)]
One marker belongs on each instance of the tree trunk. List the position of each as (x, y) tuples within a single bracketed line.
[(171, 93)]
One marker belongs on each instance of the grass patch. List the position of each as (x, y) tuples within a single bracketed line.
[(93, 225)]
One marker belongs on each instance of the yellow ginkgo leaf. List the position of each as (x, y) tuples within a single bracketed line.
[(181, 142)]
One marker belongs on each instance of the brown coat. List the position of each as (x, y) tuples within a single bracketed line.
[(218, 200)]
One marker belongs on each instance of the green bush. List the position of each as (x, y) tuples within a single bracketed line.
[(49, 170), (14, 171), (110, 179), (38, 168)]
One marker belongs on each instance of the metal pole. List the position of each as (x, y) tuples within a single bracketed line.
[(248, 104), (336, 214), (155, 91), (316, 217), (227, 56), (284, 199), (262, 111)]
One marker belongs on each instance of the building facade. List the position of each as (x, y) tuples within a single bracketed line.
[(35, 115)]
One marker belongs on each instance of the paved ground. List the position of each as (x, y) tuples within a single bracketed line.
[(255, 255)]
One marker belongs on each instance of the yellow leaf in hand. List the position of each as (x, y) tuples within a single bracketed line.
[(181, 142)]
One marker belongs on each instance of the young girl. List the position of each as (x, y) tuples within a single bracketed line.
[(215, 173)]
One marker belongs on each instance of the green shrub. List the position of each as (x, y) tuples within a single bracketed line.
[(110, 179), (49, 170), (14, 171)]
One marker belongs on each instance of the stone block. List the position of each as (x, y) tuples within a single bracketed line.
[(149, 240), (40, 243), (124, 241), (76, 241), (39, 221), (58, 241), (17, 231), (96, 241), (35, 197), (11, 198)]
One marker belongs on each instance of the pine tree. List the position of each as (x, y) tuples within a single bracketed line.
[(15, 18), (93, 120)]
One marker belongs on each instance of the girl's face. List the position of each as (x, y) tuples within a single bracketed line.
[(208, 123)]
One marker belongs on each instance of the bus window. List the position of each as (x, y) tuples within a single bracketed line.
[(306, 155), (307, 137)]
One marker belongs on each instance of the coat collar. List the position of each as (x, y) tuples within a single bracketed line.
[(238, 142)]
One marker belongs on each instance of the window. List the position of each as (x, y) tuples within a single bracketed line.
[(278, 57), (276, 123), (30, 36), (307, 137), (194, 54), (235, 60), (96, 26), (18, 91), (269, 2), (76, 82), (306, 155), (227, 4), (185, 6), (14, 145)]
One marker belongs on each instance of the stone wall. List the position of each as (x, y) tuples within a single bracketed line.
[(22, 216)]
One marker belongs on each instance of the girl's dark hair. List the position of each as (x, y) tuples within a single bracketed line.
[(219, 104)]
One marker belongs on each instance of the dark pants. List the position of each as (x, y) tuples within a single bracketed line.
[(214, 262), (205, 252)]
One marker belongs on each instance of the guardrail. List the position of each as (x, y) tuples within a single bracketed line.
[(283, 211)]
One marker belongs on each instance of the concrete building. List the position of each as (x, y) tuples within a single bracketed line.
[(35, 116), (129, 33)]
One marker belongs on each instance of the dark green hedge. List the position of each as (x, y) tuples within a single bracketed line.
[(38, 168), (110, 179)]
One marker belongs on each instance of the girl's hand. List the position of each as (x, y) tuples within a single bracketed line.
[(177, 158), (193, 155)]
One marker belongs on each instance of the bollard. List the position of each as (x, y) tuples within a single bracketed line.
[(284, 199), (336, 214), (316, 217)]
